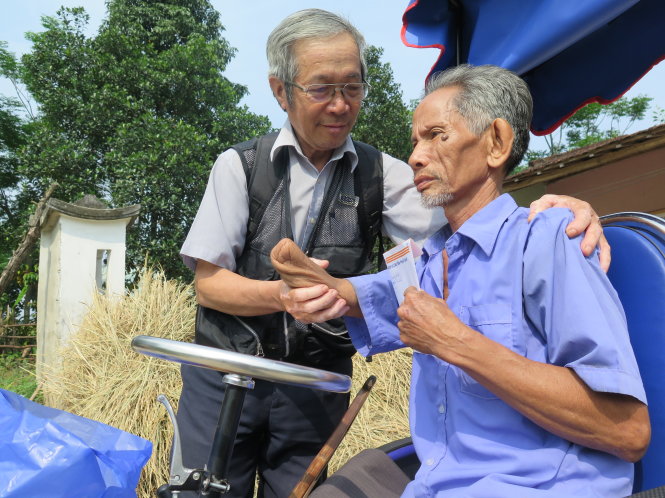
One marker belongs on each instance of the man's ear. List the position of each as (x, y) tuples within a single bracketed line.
[(279, 91), (500, 143)]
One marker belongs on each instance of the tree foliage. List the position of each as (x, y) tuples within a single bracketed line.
[(14, 133), (384, 120), (12, 136), (134, 115), (594, 123), (658, 115)]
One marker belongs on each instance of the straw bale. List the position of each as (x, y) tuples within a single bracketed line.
[(384, 416), (103, 379)]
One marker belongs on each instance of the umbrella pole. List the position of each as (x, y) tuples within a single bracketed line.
[(457, 8)]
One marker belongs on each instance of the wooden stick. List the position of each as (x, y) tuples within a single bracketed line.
[(39, 387), (306, 484)]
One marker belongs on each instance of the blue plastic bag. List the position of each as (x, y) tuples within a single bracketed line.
[(51, 453)]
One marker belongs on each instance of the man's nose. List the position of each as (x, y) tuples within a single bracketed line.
[(338, 102), (418, 157)]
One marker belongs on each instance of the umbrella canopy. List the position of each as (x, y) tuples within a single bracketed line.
[(570, 52)]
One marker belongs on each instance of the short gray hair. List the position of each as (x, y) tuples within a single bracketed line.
[(307, 23), (486, 93)]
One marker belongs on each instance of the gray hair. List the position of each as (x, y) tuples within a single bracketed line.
[(486, 93), (308, 23)]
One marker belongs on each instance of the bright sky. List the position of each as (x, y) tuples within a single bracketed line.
[(248, 24)]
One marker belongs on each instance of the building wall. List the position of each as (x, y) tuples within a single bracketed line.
[(526, 195), (47, 298), (636, 183), (633, 184)]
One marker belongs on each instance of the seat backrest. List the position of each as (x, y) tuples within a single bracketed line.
[(637, 272)]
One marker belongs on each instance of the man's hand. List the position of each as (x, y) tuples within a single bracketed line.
[(313, 304), (295, 268), (309, 293), (585, 219), (429, 326)]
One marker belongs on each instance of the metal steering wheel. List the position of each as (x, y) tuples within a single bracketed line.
[(241, 364)]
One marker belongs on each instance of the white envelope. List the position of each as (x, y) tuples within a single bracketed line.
[(401, 262)]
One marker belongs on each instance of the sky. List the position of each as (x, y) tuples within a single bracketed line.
[(248, 24)]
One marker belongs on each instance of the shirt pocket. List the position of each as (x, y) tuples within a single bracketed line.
[(494, 321)]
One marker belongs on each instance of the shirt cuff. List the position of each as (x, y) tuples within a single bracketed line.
[(612, 381), (377, 331)]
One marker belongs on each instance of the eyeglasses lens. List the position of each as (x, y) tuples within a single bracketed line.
[(323, 93)]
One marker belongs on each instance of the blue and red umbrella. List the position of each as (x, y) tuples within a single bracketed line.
[(570, 52)]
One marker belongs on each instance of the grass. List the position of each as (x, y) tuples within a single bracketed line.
[(18, 375)]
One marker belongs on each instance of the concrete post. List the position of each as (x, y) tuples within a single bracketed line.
[(82, 251)]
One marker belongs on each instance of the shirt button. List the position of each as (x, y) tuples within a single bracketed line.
[(429, 462), (442, 408), (312, 221)]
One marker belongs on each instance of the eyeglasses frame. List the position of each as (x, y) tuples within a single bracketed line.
[(336, 87)]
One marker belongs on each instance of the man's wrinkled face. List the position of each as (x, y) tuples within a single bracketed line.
[(321, 127), (448, 160)]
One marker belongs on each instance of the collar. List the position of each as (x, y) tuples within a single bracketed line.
[(287, 138), (483, 227)]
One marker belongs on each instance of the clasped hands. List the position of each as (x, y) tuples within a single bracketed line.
[(312, 295), (308, 292)]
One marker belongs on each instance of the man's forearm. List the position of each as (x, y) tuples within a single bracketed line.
[(231, 293), (348, 293), (556, 399)]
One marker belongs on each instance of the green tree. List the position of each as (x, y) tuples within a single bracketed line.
[(10, 136), (594, 123), (135, 114), (384, 120), (14, 134), (658, 115)]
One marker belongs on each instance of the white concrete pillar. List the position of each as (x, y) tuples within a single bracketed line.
[(82, 251)]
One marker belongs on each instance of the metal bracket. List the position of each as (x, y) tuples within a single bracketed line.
[(179, 474)]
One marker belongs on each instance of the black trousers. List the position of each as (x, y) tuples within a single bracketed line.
[(281, 429)]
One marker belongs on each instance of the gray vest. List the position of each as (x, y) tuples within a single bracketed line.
[(346, 229)]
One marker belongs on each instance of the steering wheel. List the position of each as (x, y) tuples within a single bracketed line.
[(241, 364)]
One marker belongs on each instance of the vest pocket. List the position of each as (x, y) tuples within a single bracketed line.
[(341, 226), (494, 321), (228, 332)]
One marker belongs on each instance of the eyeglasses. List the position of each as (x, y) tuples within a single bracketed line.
[(325, 92)]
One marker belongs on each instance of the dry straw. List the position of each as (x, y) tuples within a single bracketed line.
[(103, 379)]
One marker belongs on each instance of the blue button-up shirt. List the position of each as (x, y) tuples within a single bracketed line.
[(530, 288)]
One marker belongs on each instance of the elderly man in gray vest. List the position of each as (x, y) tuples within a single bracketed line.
[(332, 196)]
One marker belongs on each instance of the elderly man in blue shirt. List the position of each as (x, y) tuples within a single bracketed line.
[(524, 382)]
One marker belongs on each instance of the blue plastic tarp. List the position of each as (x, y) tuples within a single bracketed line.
[(51, 453)]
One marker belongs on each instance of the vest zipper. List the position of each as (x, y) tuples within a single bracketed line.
[(328, 199), (286, 335), (324, 330), (259, 347)]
